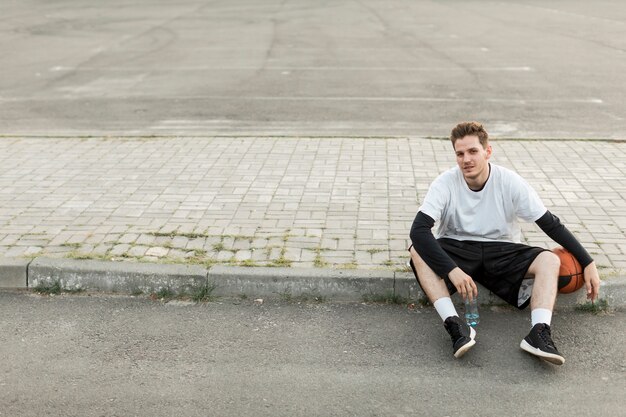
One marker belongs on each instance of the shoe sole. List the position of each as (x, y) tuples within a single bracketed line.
[(550, 357), (463, 349)]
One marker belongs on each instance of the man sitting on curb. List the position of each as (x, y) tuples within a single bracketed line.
[(477, 205)]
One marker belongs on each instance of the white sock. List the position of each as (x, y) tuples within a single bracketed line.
[(540, 315), (445, 308)]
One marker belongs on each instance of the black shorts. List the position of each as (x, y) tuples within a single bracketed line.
[(498, 266)]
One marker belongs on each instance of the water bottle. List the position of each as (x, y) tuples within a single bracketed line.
[(471, 312)]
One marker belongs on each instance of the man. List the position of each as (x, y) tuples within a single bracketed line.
[(477, 205)]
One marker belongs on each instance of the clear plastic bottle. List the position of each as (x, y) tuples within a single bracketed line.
[(472, 318)]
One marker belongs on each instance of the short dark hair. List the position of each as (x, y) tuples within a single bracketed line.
[(470, 129)]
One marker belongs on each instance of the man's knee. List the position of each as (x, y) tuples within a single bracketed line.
[(546, 262), (419, 267), (417, 260), (551, 260)]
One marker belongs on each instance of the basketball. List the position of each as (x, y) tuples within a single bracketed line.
[(571, 272)]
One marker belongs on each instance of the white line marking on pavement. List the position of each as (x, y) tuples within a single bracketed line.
[(286, 68), (404, 99), (83, 89), (187, 124)]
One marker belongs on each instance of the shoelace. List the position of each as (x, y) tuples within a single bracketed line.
[(455, 330), (546, 336)]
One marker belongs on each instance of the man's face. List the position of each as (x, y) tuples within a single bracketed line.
[(472, 158)]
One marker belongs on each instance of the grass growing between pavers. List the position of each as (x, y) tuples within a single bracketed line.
[(286, 248), (248, 263), (319, 262), (281, 262), (204, 249), (71, 245), (176, 251), (218, 247), (179, 234), (91, 256)]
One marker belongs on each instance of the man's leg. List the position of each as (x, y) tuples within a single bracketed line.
[(434, 287), (545, 269), (437, 292)]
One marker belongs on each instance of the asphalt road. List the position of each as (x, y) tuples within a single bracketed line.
[(120, 356), (526, 68)]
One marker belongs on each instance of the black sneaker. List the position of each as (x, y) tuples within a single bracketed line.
[(539, 343), (461, 334)]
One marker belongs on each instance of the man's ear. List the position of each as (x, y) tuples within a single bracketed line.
[(489, 151)]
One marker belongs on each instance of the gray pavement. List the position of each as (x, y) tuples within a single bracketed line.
[(121, 356), (527, 68)]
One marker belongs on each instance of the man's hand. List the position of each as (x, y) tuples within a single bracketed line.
[(592, 281), (464, 283)]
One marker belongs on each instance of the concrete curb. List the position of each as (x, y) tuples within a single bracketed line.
[(232, 281), (125, 277), (13, 272), (333, 284)]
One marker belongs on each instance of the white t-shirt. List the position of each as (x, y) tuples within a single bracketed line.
[(487, 215)]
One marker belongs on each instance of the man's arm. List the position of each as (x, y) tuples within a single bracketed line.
[(552, 226), (436, 258), (427, 247)]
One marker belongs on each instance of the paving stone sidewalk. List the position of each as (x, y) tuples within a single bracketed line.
[(299, 202)]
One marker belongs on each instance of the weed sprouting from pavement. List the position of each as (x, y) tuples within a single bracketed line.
[(55, 288), (48, 288), (164, 293), (600, 306), (286, 296), (204, 293)]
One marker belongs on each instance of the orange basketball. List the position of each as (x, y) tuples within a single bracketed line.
[(571, 272)]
